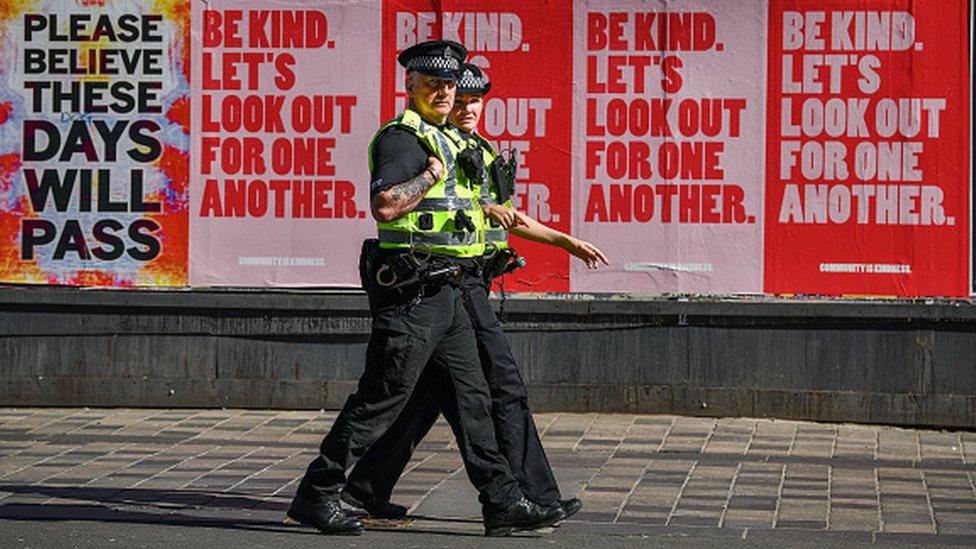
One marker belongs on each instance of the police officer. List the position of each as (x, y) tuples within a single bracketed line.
[(371, 481), (429, 229)]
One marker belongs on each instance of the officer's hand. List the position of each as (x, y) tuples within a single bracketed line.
[(506, 217), (590, 254), (435, 167)]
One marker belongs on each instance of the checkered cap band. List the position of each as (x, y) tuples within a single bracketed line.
[(469, 81), (431, 62)]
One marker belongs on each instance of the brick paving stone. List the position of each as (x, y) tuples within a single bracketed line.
[(793, 509), (760, 503), (652, 520), (802, 524), (710, 519), (910, 527)]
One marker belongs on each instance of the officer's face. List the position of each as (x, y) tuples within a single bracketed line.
[(467, 111), (431, 96)]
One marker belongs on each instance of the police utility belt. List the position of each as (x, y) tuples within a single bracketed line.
[(418, 268), (412, 268)]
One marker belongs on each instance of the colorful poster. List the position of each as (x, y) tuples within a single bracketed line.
[(668, 177), (868, 155), (285, 101), (94, 137), (526, 50)]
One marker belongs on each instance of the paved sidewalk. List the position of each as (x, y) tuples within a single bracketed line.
[(97, 477)]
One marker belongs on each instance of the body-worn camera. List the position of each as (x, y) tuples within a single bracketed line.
[(472, 164), (503, 175)]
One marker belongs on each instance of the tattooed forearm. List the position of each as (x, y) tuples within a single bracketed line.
[(411, 189), (400, 199)]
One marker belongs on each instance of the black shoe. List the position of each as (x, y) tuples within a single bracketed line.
[(327, 516), (571, 506), (376, 509), (521, 515)]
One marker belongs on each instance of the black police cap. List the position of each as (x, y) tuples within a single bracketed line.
[(440, 58), (472, 80)]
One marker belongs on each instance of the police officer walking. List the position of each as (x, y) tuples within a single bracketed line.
[(371, 482), (429, 228)]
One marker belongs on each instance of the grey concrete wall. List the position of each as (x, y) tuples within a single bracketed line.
[(891, 362)]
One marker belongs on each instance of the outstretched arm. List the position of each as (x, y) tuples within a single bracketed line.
[(524, 226)]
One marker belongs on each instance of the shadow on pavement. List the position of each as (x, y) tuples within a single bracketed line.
[(193, 508), (164, 499), (100, 513)]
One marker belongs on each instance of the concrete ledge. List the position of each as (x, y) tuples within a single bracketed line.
[(901, 362), (896, 409)]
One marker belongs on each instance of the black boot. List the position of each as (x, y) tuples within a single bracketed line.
[(519, 516), (327, 516), (570, 506), (376, 509)]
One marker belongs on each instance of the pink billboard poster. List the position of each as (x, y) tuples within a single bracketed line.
[(525, 48), (869, 192), (285, 101), (668, 145)]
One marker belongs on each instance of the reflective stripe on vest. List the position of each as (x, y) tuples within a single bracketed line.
[(496, 236), (450, 182), (486, 196), (429, 239), (445, 204)]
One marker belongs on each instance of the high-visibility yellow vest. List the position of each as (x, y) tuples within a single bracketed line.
[(496, 236), (431, 225)]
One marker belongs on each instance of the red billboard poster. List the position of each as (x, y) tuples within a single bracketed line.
[(668, 142), (526, 50), (868, 178), (285, 100), (94, 142)]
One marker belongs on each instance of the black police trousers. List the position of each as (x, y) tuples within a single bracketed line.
[(377, 472), (407, 334)]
